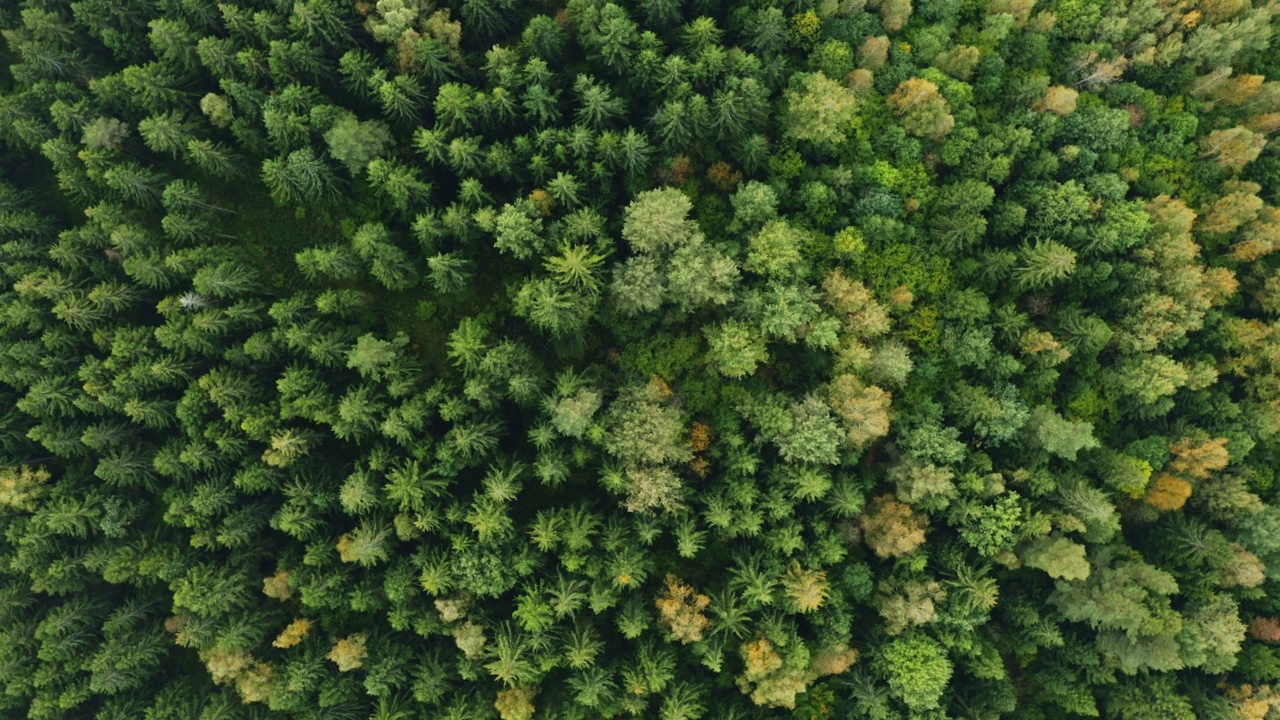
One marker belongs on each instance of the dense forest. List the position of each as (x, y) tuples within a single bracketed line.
[(672, 359)]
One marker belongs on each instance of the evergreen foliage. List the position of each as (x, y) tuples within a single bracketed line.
[(591, 359)]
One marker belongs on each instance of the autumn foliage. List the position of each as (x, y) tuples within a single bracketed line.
[(681, 608), (592, 359), (890, 528)]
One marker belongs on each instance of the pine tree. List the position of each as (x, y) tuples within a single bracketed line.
[(1044, 263)]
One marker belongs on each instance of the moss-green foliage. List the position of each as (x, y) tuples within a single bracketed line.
[(486, 359)]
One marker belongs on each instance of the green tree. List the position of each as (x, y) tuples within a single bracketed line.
[(518, 231), (917, 670), (638, 285), (372, 358), (300, 178), (217, 109), (1044, 263), (167, 133), (1058, 556), (818, 109), (646, 433), (1058, 435), (754, 204), (735, 349), (1127, 602), (105, 134), (1211, 635), (1152, 697), (658, 220), (775, 251), (645, 428), (354, 143), (700, 275), (398, 183), (576, 267)]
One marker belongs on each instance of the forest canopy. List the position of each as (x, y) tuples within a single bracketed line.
[(678, 359)]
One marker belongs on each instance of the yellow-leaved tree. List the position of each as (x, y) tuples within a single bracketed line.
[(682, 609), (21, 488), (349, 652), (923, 110)]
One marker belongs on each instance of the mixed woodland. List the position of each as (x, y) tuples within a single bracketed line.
[(676, 359)]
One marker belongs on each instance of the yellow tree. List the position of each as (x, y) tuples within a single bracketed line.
[(1183, 289), (1167, 492), (1059, 100), (277, 586), (1218, 11), (1233, 148), (1266, 123), (873, 52), (1020, 10), (1198, 459), (806, 589), (1238, 206), (516, 703), (292, 634), (891, 529), (864, 409), (349, 653), (924, 112), (894, 14), (1095, 71), (682, 609), (1239, 89), (1260, 237), (253, 679), (21, 487)]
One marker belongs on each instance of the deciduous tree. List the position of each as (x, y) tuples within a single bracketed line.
[(923, 110), (891, 529), (818, 109)]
